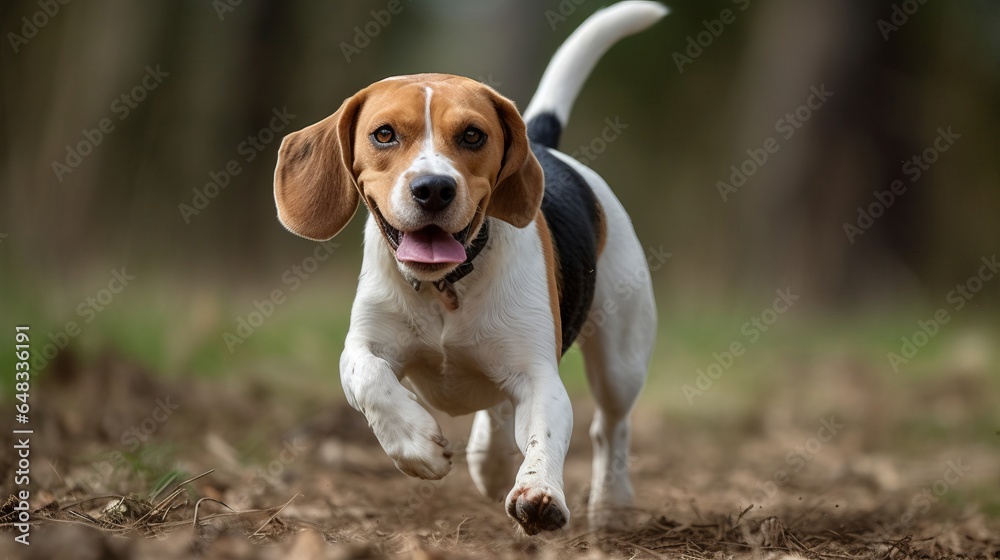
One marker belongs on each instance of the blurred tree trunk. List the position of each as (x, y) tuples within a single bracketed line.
[(793, 209)]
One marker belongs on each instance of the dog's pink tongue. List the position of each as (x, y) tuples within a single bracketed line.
[(430, 245)]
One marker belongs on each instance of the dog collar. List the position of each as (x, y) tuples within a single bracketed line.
[(471, 252)]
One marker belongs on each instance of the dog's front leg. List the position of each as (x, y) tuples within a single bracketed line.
[(408, 433), (543, 421)]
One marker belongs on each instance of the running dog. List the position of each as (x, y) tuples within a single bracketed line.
[(485, 250)]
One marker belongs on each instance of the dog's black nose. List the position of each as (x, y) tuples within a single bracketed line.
[(433, 192)]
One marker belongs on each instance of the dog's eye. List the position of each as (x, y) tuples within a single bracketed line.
[(472, 137), (384, 135)]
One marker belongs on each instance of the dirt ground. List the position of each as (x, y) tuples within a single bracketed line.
[(280, 472)]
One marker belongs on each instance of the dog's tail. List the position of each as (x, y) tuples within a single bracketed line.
[(548, 112)]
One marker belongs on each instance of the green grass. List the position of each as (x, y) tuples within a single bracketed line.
[(177, 330)]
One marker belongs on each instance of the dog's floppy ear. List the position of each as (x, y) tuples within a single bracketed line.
[(314, 186), (517, 194)]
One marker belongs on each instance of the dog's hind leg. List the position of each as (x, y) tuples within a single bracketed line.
[(616, 356), (492, 451), (617, 343)]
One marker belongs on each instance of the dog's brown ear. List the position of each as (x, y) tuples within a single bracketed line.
[(517, 194), (314, 186)]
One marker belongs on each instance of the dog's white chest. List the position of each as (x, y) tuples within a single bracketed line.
[(444, 364), (451, 378)]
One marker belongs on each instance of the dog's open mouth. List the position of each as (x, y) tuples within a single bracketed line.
[(429, 245)]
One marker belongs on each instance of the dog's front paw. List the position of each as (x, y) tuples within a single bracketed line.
[(410, 436), (537, 508), (422, 457)]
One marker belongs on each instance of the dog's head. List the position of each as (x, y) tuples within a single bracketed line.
[(432, 154)]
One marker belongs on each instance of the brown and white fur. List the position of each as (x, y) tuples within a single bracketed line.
[(490, 343)]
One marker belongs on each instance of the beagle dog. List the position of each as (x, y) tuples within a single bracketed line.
[(487, 253)]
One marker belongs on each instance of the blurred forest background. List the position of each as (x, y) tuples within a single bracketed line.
[(701, 92), (759, 146)]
